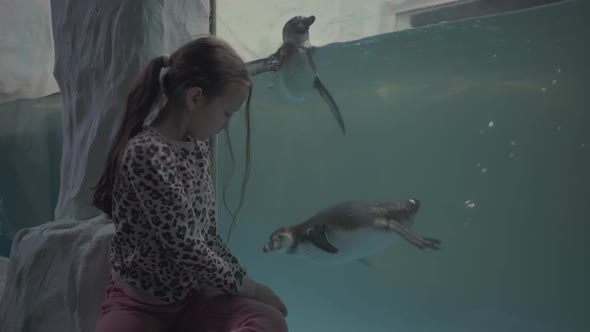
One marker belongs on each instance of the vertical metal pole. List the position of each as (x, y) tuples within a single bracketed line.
[(212, 17), (213, 142)]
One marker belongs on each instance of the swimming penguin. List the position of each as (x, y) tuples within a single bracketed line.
[(295, 68), (349, 231)]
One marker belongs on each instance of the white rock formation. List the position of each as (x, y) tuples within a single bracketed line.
[(26, 50), (56, 277), (57, 273), (100, 49)]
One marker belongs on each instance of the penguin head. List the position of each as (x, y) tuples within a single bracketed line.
[(296, 30), (406, 209), (280, 240), (413, 205)]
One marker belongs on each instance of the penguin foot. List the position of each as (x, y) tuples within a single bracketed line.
[(419, 241), (432, 243)]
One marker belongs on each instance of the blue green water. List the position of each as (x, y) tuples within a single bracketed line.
[(30, 154), (490, 111), (493, 111)]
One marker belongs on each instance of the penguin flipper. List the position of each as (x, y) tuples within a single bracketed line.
[(255, 62), (268, 64), (264, 68), (326, 95), (331, 103), (317, 236)]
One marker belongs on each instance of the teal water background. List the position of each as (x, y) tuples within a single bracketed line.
[(489, 111), (30, 154)]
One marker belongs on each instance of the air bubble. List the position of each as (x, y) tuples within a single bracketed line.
[(469, 204)]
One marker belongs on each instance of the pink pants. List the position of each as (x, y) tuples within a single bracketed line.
[(222, 313)]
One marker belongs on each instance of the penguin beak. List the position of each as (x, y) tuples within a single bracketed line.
[(309, 20), (267, 247)]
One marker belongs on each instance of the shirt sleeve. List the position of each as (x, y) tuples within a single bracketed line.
[(150, 169), (216, 243)]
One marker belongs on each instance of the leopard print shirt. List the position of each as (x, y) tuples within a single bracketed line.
[(166, 242)]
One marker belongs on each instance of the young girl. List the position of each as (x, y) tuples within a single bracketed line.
[(170, 269)]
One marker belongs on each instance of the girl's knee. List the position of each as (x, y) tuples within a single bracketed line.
[(271, 320), (277, 322), (281, 326), (233, 313)]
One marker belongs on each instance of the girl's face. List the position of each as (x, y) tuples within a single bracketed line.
[(207, 116)]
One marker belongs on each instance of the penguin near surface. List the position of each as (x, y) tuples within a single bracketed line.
[(351, 231), (295, 68)]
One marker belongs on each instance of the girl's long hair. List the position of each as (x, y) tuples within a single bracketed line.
[(207, 62)]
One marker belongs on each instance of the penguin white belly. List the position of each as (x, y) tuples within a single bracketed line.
[(351, 245), (296, 78)]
